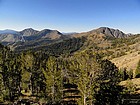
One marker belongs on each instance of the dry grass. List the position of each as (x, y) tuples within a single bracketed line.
[(135, 81), (128, 61), (132, 83)]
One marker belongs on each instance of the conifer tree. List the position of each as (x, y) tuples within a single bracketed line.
[(53, 78)]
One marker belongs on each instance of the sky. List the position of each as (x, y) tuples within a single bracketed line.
[(70, 15)]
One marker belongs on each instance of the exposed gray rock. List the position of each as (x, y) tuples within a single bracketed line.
[(110, 32), (29, 32)]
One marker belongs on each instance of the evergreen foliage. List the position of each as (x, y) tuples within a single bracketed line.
[(43, 76)]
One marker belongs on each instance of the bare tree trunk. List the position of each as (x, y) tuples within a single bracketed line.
[(84, 99), (53, 91)]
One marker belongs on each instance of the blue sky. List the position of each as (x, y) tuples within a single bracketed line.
[(70, 15)]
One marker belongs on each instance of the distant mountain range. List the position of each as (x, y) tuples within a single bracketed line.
[(31, 34), (34, 38), (11, 36)]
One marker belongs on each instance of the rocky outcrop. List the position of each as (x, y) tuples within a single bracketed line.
[(110, 32)]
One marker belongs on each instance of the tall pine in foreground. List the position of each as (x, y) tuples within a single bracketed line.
[(53, 80), (95, 77)]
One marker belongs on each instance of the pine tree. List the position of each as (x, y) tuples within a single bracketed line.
[(53, 78), (87, 69)]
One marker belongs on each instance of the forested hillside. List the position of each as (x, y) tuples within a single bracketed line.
[(43, 76)]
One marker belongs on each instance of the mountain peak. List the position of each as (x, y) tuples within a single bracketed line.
[(52, 34), (106, 31), (28, 32), (110, 32)]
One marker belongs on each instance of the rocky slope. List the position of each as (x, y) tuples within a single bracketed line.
[(105, 31), (110, 32)]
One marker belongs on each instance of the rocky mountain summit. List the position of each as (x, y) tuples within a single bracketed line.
[(103, 31), (28, 32), (110, 32)]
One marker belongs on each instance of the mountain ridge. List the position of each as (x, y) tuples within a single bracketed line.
[(31, 37), (104, 30), (28, 34)]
